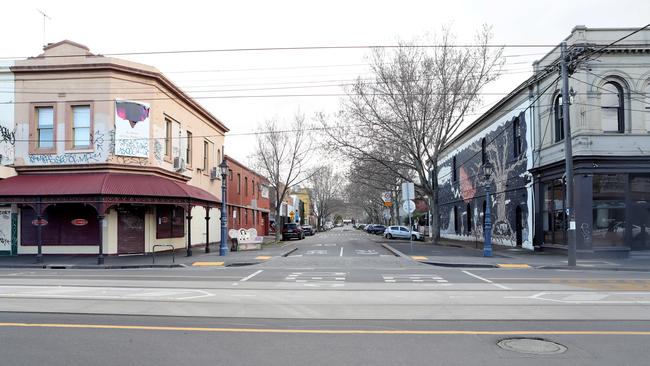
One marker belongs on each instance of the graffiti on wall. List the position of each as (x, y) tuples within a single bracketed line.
[(5, 229), (98, 141), (462, 202), (7, 145)]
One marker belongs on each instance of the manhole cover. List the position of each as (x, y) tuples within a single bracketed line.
[(532, 346)]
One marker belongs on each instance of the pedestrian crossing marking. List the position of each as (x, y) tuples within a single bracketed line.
[(414, 278), (318, 277)]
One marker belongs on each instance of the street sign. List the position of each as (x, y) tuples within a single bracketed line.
[(292, 215), (388, 204), (408, 206), (386, 197), (408, 191)]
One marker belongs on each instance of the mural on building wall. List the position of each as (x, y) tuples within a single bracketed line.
[(131, 129), (507, 182), (97, 155)]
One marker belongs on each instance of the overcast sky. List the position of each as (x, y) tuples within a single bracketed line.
[(136, 26)]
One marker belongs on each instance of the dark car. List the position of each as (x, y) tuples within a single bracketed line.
[(377, 229), (308, 229), (292, 231)]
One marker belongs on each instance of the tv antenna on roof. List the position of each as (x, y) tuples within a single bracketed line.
[(45, 17)]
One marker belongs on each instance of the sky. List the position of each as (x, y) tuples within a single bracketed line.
[(245, 88)]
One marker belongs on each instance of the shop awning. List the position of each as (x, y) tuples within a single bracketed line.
[(111, 187)]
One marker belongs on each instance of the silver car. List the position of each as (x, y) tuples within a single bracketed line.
[(401, 232)]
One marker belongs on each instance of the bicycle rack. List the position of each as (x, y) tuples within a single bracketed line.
[(153, 252)]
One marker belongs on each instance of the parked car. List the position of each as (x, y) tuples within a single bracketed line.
[(402, 232), (292, 231), (367, 227), (308, 229), (377, 229)]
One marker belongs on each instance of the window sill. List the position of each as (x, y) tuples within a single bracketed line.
[(79, 151), (42, 152)]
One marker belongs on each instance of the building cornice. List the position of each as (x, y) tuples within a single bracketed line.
[(98, 168), (109, 66)]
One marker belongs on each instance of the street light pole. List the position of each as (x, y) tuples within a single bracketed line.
[(223, 247), (487, 230), (568, 160)]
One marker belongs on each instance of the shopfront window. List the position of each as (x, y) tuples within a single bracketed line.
[(639, 211), (609, 224), (170, 222), (554, 217)]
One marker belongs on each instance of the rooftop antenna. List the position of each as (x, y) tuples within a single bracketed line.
[(45, 17)]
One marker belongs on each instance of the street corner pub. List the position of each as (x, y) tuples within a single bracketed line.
[(95, 172)]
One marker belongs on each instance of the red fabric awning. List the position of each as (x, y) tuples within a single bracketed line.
[(101, 184)]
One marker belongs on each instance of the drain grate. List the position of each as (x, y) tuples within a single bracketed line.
[(533, 346)]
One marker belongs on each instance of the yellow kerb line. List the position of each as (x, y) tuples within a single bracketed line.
[(419, 258), (206, 264), (328, 331), (263, 257)]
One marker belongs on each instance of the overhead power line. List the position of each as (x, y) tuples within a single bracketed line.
[(296, 48)]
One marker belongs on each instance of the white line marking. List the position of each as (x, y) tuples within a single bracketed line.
[(486, 280), (205, 294), (340, 255), (251, 276)]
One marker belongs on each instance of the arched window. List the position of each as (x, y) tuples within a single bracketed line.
[(559, 118), (454, 174), (612, 107), (483, 152), (469, 218), (516, 137), (484, 208), (646, 106)]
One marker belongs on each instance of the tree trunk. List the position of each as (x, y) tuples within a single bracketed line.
[(278, 224), (435, 217)]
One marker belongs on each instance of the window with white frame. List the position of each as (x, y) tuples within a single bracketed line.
[(45, 127), (81, 126), (612, 107)]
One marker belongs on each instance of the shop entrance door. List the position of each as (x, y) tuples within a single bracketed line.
[(639, 228), (130, 231)]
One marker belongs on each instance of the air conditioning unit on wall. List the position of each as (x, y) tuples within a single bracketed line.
[(179, 164), (214, 173)]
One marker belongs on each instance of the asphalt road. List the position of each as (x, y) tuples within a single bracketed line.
[(340, 298), (70, 340)]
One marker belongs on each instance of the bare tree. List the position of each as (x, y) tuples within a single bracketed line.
[(282, 157), (327, 187), (417, 101)]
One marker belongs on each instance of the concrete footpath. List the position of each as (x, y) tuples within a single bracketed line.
[(458, 254), (165, 259)]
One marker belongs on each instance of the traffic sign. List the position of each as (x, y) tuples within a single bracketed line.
[(408, 190), (292, 215), (387, 197), (408, 206)]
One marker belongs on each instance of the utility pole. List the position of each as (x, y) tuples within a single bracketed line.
[(568, 159)]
